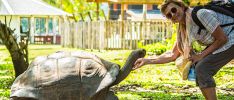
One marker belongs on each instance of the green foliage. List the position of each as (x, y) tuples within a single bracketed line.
[(156, 48), (160, 47), (6, 82), (186, 2), (6, 75), (151, 82), (126, 95), (170, 41), (4, 94), (158, 96), (197, 47), (76, 8), (6, 79)]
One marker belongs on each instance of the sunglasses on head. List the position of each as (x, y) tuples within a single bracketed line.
[(173, 10)]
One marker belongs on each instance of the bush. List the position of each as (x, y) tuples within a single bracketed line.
[(159, 47), (156, 48), (197, 47)]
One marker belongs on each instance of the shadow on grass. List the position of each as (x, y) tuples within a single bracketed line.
[(158, 96), (127, 95)]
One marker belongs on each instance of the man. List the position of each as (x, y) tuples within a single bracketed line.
[(219, 42)]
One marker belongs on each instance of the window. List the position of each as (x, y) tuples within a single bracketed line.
[(56, 26), (40, 26), (50, 25), (24, 25), (149, 7)]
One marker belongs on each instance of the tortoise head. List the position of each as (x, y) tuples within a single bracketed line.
[(117, 75), (127, 68)]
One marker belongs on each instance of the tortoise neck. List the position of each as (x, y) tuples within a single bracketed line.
[(127, 68)]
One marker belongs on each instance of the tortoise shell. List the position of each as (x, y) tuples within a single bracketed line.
[(65, 76)]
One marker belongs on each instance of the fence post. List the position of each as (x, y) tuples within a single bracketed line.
[(114, 34)]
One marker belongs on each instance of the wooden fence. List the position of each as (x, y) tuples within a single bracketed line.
[(114, 34)]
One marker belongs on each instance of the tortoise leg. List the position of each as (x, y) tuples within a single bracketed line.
[(111, 96), (105, 94)]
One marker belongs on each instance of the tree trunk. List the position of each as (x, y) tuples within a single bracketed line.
[(17, 51), (20, 65)]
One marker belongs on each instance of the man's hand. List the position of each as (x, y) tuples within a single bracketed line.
[(140, 62), (195, 58)]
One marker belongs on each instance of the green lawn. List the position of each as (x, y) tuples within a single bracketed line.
[(151, 82)]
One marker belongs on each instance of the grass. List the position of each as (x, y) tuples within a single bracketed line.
[(151, 82)]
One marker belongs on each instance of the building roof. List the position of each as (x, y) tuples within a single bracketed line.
[(129, 1), (138, 15), (192, 2), (29, 7)]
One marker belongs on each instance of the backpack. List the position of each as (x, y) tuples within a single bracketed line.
[(226, 8)]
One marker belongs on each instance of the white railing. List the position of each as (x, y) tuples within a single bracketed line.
[(114, 34)]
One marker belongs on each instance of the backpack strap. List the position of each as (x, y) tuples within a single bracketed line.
[(195, 18), (220, 9), (210, 7), (228, 24)]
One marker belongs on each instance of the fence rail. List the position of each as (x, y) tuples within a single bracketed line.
[(114, 34)]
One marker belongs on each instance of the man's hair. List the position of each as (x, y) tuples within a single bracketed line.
[(180, 3), (181, 29)]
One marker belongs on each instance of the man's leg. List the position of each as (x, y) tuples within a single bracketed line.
[(209, 93), (206, 68)]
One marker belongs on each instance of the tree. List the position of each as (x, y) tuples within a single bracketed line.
[(17, 50), (186, 2), (76, 8)]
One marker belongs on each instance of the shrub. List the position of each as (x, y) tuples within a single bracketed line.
[(156, 48), (159, 47), (197, 47)]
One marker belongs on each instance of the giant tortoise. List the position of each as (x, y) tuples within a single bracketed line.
[(76, 75)]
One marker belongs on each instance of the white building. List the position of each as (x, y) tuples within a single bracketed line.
[(41, 19)]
